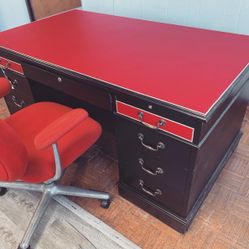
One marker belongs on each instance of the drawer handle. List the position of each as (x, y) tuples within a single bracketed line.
[(159, 146), (158, 171), (18, 103), (160, 123), (14, 84), (4, 73), (155, 193)]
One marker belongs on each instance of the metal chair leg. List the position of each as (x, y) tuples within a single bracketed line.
[(79, 192), (50, 189), (22, 186), (40, 210)]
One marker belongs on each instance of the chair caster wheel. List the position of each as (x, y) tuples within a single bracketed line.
[(105, 203), (3, 191), (19, 247)]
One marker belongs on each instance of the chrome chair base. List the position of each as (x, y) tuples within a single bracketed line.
[(50, 190)]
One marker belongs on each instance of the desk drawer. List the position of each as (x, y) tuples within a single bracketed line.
[(80, 89), (168, 198), (20, 84), (20, 95), (11, 65), (141, 158), (17, 102), (154, 121), (155, 173)]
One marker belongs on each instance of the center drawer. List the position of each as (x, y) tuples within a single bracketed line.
[(81, 89)]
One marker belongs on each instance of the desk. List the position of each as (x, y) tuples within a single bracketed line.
[(176, 97)]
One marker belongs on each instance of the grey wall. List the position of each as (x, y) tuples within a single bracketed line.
[(12, 13), (224, 15)]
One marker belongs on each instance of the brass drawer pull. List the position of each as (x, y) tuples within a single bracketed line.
[(157, 192), (159, 146), (158, 171), (18, 103), (160, 123)]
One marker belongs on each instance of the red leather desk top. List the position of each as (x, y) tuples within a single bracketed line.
[(188, 67)]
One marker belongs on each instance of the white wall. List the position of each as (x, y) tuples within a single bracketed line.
[(13, 13), (224, 15)]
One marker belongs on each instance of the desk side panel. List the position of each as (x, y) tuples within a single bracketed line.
[(235, 92), (216, 148)]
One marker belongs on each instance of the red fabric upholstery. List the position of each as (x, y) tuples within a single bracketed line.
[(13, 154), (4, 87), (31, 120), (59, 128)]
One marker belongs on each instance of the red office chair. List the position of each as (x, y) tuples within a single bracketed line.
[(36, 144)]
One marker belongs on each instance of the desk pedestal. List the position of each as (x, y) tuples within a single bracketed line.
[(181, 224), (171, 183)]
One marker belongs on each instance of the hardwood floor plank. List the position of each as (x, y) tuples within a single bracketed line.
[(98, 239), (64, 225)]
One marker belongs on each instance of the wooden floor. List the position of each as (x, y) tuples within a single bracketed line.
[(221, 223), (64, 225)]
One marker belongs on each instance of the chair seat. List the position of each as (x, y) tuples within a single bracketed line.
[(29, 121)]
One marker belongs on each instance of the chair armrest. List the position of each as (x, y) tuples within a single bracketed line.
[(57, 129), (5, 87)]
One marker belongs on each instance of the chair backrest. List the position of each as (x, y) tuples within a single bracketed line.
[(13, 154)]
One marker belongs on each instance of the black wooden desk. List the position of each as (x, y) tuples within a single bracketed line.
[(174, 96)]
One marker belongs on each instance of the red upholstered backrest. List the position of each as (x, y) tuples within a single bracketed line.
[(13, 154), (4, 87)]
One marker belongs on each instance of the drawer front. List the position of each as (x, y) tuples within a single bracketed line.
[(78, 89), (166, 198), (155, 173), (154, 121), (16, 102), (11, 65), (20, 85), (20, 95), (155, 158)]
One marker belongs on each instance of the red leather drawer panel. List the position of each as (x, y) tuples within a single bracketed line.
[(149, 119), (11, 65)]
